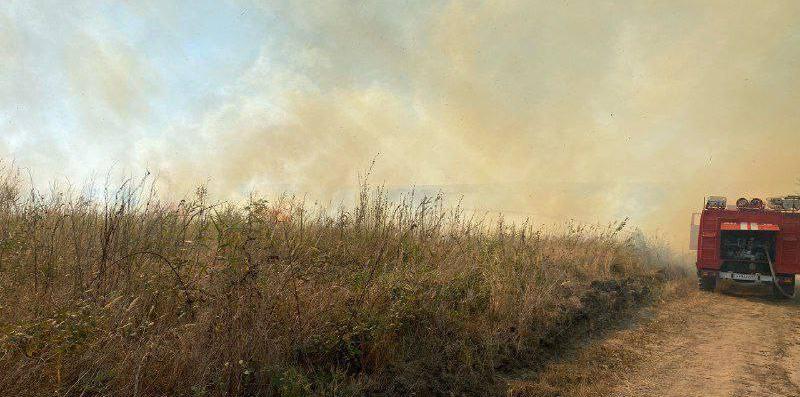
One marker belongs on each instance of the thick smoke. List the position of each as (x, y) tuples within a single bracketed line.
[(585, 110)]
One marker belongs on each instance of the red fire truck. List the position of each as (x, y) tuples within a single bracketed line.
[(752, 242)]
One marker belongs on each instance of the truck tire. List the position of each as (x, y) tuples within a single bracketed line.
[(788, 289), (707, 283)]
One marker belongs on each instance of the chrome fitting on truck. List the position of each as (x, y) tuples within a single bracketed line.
[(756, 278)]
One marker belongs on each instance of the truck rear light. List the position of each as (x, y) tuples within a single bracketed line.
[(742, 203), (788, 203), (785, 280), (754, 204), (718, 202)]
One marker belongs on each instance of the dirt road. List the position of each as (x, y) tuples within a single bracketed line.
[(713, 344)]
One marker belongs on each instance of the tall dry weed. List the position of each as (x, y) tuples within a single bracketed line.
[(114, 292)]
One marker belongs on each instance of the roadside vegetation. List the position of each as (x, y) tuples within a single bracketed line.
[(118, 293)]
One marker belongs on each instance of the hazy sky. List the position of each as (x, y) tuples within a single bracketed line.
[(595, 110)]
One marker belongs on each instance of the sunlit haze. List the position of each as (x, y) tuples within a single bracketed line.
[(595, 111)]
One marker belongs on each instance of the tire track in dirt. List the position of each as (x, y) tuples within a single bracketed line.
[(712, 344)]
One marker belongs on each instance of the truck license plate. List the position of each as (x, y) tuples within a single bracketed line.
[(745, 277)]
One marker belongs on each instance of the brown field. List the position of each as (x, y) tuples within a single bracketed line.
[(122, 294)]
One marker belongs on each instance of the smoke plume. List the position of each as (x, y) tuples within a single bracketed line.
[(586, 110)]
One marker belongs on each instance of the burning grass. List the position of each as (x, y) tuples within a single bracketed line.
[(128, 295)]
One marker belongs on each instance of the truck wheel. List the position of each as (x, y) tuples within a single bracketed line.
[(788, 289), (707, 283)]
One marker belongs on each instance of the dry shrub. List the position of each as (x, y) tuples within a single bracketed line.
[(114, 292)]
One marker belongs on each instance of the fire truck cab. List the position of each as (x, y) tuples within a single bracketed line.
[(752, 242)]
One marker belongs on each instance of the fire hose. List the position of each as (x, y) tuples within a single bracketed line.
[(775, 277)]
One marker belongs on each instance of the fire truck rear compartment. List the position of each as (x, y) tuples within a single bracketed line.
[(745, 251)]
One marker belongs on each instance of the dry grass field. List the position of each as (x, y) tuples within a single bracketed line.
[(118, 293)]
